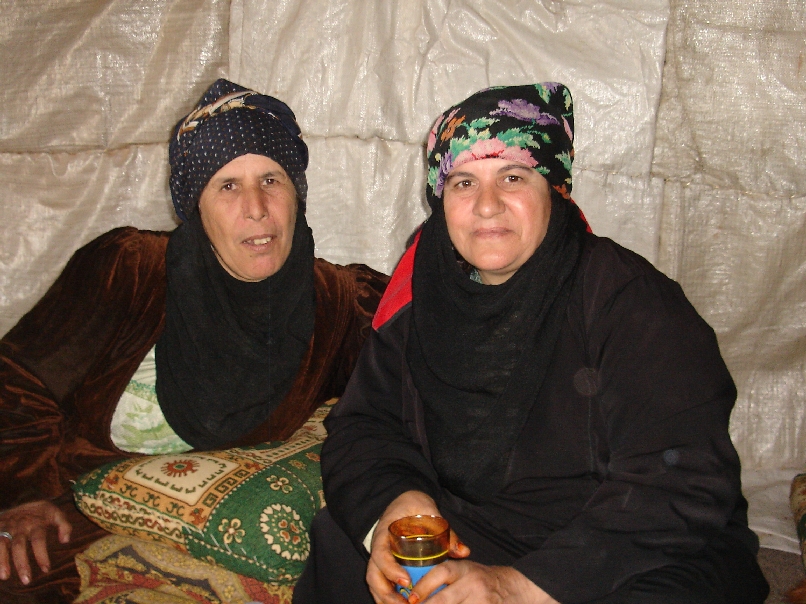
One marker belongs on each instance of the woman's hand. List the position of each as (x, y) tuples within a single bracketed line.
[(29, 523), (383, 571), (472, 583)]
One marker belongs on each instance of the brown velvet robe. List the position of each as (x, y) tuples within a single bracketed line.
[(64, 366)]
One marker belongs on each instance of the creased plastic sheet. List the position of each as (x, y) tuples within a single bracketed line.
[(368, 75), (90, 92), (696, 163), (731, 149)]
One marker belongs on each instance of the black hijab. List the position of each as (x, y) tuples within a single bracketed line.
[(479, 353), (231, 349)]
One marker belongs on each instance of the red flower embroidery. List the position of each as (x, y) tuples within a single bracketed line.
[(180, 467)]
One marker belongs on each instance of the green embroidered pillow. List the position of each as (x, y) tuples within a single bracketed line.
[(247, 509)]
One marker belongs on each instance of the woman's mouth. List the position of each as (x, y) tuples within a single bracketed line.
[(491, 232), (259, 240)]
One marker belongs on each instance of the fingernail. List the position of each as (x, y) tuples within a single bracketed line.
[(3, 575), (414, 598), (46, 569), (25, 579)]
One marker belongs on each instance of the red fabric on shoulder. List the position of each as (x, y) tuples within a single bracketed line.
[(398, 292), (582, 215)]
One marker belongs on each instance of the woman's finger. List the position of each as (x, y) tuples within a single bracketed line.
[(65, 529), (39, 546), (457, 548), (392, 571), (380, 586), (385, 562), (5, 568), (441, 574), (19, 555), (57, 518)]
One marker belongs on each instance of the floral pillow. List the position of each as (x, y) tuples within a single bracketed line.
[(247, 509)]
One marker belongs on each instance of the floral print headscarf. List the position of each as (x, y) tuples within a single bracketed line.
[(531, 124)]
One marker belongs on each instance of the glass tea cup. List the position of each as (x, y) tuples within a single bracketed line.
[(418, 544)]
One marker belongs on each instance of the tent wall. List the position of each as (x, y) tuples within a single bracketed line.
[(690, 120), (730, 151)]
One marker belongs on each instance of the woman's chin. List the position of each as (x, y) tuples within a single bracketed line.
[(495, 276), (252, 272)]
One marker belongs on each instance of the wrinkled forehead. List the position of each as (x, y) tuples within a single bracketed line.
[(250, 165), (490, 166)]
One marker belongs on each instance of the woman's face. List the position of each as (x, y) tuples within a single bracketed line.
[(248, 209), (497, 212)]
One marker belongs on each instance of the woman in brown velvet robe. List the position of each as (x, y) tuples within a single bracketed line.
[(246, 331)]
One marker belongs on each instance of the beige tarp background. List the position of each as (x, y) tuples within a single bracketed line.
[(691, 135)]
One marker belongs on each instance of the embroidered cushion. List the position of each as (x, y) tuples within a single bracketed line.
[(119, 569), (247, 509)]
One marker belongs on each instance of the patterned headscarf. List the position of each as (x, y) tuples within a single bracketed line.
[(228, 122), (532, 124)]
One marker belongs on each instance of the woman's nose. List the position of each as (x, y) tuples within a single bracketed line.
[(488, 203), (254, 204)]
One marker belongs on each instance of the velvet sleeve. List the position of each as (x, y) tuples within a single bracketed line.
[(369, 288), (82, 337), (671, 476), (370, 456), (31, 427)]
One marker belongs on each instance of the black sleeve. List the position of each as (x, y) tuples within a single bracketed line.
[(370, 456), (672, 479)]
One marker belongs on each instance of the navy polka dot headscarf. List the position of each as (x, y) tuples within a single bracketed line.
[(228, 122)]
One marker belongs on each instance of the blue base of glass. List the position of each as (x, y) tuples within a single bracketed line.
[(415, 573)]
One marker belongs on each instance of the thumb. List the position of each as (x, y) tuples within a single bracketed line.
[(63, 525), (64, 532), (457, 548)]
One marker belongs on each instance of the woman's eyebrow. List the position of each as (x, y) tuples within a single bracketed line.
[(514, 167), (224, 179), (458, 174)]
